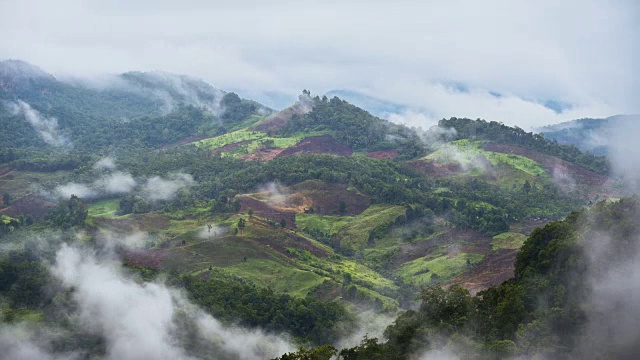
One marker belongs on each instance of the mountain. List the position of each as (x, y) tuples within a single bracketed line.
[(39, 109), (593, 135), (216, 212)]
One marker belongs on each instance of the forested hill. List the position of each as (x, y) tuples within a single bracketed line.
[(499, 133), (129, 110)]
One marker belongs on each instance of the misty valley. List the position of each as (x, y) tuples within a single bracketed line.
[(148, 215)]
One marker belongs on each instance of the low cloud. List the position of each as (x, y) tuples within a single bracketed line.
[(120, 182), (157, 188), (141, 321), (274, 193), (116, 183), (46, 127), (113, 184), (106, 163), (412, 118), (80, 190), (212, 232), (624, 152)]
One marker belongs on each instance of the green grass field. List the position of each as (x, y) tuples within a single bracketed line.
[(465, 152), (420, 271), (508, 240), (105, 208), (280, 278), (353, 230)]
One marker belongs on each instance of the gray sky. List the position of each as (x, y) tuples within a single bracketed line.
[(440, 58)]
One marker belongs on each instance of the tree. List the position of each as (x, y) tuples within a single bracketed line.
[(283, 223), (346, 279), (342, 208), (241, 225), (250, 211), (69, 213)]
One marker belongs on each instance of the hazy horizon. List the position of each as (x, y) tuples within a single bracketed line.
[(526, 64)]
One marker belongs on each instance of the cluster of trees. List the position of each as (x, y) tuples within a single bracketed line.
[(69, 213), (503, 134), (232, 299)]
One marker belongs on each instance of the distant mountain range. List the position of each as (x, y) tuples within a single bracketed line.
[(593, 135)]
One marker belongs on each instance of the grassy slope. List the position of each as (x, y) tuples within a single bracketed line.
[(509, 169), (354, 230), (253, 140), (420, 271), (508, 240)]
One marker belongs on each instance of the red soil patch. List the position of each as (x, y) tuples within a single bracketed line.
[(435, 169), (326, 198), (492, 270), (324, 144), (4, 170), (383, 154), (265, 154), (29, 205), (264, 210), (323, 198), (145, 258), (291, 240)]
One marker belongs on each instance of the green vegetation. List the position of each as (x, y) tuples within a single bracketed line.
[(508, 240), (282, 279), (349, 233), (356, 128), (444, 267), (466, 151), (104, 208), (289, 268), (230, 299), (500, 133), (248, 142)]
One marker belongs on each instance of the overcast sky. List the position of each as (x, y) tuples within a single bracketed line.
[(498, 60)]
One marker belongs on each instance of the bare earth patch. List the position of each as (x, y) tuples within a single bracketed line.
[(324, 144), (383, 154)]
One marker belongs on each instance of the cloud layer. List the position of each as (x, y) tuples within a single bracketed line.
[(119, 182), (496, 60), (46, 127)]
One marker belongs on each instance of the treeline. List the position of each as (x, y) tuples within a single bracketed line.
[(503, 134)]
